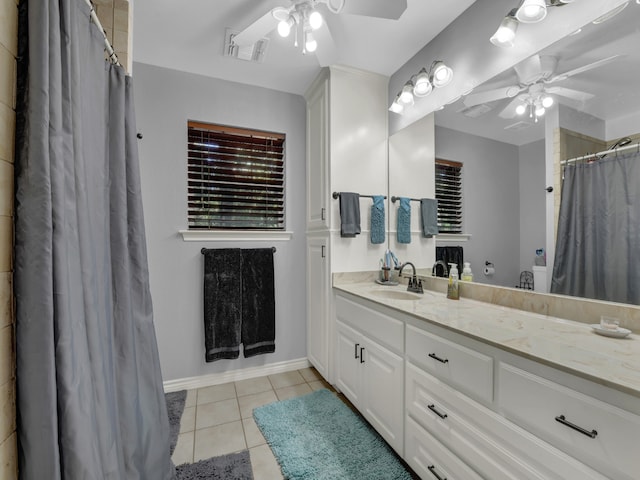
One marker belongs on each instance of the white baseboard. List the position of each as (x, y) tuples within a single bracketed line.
[(234, 375)]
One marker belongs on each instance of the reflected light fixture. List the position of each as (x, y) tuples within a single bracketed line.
[(532, 11), (300, 16), (506, 33), (315, 20), (310, 44), (422, 84)]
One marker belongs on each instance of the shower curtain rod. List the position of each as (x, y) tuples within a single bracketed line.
[(113, 58), (607, 152)]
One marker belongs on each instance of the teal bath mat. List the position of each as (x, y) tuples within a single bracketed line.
[(317, 437)]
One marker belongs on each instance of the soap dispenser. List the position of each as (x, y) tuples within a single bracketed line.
[(453, 292), (467, 274)]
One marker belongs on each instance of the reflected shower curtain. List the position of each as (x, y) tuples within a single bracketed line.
[(89, 389), (598, 244)]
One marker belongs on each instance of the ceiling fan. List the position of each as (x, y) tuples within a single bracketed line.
[(533, 91), (306, 20)]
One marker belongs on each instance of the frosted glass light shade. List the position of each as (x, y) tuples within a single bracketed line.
[(406, 96), (310, 43), (441, 75), (532, 11), (422, 86), (315, 20), (506, 33)]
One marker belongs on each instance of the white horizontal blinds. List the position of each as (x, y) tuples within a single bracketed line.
[(449, 195), (235, 178)]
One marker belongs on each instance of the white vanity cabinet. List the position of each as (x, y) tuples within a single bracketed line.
[(370, 367), (469, 410)]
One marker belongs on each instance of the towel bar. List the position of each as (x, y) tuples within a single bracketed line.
[(336, 195), (394, 198), (203, 250)]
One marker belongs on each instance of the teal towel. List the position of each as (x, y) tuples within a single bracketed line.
[(404, 221), (377, 220), (429, 216)]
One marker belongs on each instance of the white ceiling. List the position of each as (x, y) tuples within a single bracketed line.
[(188, 35)]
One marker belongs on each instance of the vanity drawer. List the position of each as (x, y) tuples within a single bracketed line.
[(386, 330), (601, 435), (432, 460), (469, 371)]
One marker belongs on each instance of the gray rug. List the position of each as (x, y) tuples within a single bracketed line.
[(235, 466)]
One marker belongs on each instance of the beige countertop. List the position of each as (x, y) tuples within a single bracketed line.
[(563, 344)]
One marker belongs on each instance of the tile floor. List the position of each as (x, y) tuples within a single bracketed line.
[(218, 420)]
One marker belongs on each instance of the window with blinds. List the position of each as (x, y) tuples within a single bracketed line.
[(449, 195), (235, 178)]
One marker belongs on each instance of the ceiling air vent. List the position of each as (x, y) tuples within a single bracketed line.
[(250, 53), (476, 111), (518, 126)]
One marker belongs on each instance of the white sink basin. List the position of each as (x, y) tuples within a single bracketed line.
[(397, 295)]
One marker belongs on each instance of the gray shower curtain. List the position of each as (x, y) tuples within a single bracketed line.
[(598, 243), (90, 403)]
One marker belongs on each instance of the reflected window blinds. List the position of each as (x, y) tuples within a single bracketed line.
[(449, 195)]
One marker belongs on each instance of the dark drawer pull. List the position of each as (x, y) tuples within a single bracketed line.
[(361, 356), (433, 408), (435, 357), (564, 421), (356, 350), (432, 469)]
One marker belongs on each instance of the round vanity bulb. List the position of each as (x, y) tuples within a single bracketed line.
[(315, 20), (441, 74), (520, 109), (284, 28), (423, 85), (547, 101), (506, 33), (532, 11), (406, 96)]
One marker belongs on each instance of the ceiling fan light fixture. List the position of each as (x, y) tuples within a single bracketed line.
[(506, 33), (441, 74), (310, 44), (520, 109), (422, 86), (315, 20), (284, 26), (532, 11), (547, 101), (539, 110)]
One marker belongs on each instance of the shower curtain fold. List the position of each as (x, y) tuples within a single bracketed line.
[(90, 402)]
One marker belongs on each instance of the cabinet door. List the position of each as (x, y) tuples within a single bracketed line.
[(382, 392), (317, 158), (349, 369), (317, 301)]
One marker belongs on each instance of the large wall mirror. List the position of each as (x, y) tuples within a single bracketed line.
[(503, 144)]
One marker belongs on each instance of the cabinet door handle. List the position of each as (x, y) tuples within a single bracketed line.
[(322, 213), (322, 251), (564, 421), (432, 469), (441, 360), (361, 356), (433, 408), (356, 350)]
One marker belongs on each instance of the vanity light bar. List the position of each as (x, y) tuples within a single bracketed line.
[(422, 84)]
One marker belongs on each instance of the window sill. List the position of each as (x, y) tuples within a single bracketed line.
[(453, 237), (234, 235)]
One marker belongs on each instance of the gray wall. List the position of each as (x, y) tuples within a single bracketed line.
[(165, 100), (532, 202), (491, 203)]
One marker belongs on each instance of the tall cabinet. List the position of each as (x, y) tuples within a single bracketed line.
[(347, 151)]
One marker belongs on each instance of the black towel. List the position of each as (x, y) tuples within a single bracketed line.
[(258, 302), (451, 255), (222, 303), (349, 214)]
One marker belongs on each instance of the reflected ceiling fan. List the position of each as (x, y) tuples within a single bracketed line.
[(532, 94), (306, 20)]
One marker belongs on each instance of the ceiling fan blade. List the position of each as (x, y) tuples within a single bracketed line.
[(510, 110), (529, 70), (584, 68), (576, 95), (256, 30), (327, 51), (391, 9), (491, 95)]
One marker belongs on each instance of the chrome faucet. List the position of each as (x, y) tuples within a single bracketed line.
[(434, 270), (414, 285)]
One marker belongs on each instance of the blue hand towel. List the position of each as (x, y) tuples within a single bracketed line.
[(429, 215), (404, 220), (349, 214), (377, 220)]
